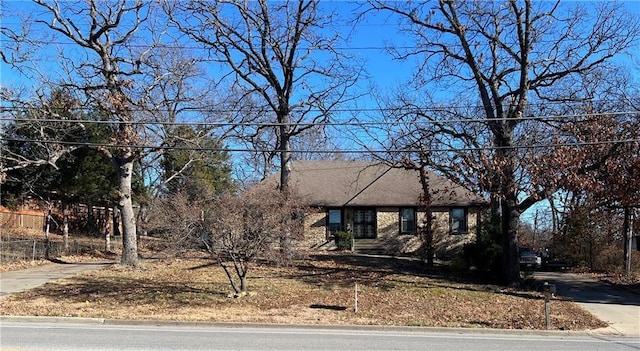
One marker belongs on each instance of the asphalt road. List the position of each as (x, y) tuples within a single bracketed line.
[(63, 336)]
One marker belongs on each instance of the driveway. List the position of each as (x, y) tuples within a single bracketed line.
[(619, 308), (25, 279)]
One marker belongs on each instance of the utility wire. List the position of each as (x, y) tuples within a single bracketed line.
[(361, 151), (205, 48), (345, 123), (442, 108)]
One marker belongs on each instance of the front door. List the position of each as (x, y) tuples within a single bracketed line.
[(364, 223)]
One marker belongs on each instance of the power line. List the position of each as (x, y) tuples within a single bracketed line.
[(321, 124), (203, 47), (320, 151), (23, 106), (26, 107)]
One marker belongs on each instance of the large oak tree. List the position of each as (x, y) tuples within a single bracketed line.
[(510, 59), (281, 60)]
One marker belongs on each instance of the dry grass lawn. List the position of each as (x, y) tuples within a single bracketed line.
[(317, 290)]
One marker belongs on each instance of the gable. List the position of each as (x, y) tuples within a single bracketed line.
[(357, 183)]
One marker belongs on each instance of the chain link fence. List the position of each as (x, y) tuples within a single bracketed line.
[(31, 250)]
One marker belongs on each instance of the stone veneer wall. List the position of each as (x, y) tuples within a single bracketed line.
[(388, 226), (388, 220), (448, 244), (315, 230)]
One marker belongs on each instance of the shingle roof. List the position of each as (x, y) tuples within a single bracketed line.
[(357, 183)]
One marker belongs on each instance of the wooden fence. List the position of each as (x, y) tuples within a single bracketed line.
[(31, 220)]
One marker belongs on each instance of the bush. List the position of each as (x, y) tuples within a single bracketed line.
[(343, 240), (484, 255)]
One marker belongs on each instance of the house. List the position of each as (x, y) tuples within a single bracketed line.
[(380, 205)]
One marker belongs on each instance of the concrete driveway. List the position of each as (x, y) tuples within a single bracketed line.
[(619, 308), (25, 279)]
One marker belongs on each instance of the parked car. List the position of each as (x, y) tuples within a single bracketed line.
[(552, 262), (529, 260)]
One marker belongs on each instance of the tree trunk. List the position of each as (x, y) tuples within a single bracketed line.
[(127, 215), (554, 217), (510, 221), (285, 156), (509, 208), (285, 175), (115, 215), (243, 283), (627, 240), (90, 220), (427, 234), (46, 232), (65, 228), (142, 220), (106, 231), (48, 223)]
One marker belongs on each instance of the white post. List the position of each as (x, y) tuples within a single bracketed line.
[(353, 244), (356, 299), (549, 291)]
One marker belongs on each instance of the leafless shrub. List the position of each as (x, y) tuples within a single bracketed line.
[(235, 229)]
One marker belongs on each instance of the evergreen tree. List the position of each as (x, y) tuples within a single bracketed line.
[(194, 164)]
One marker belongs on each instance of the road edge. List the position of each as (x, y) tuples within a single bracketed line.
[(115, 322)]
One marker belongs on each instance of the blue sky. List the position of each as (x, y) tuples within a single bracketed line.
[(366, 42)]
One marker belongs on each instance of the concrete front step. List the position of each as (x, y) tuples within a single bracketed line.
[(369, 247)]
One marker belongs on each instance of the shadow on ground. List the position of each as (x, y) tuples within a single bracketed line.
[(579, 288), (327, 271), (127, 291)]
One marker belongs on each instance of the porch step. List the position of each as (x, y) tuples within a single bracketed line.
[(370, 247)]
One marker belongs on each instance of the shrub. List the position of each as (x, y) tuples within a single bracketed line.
[(343, 240), (485, 254)]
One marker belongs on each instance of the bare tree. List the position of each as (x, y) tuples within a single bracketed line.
[(235, 229), (424, 141), (176, 93), (250, 226), (277, 55), (509, 57), (17, 42), (105, 32), (113, 58)]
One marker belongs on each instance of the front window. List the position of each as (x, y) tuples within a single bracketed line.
[(334, 217), (407, 220), (458, 221)]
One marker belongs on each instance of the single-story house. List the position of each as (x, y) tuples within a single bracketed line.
[(379, 204)]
